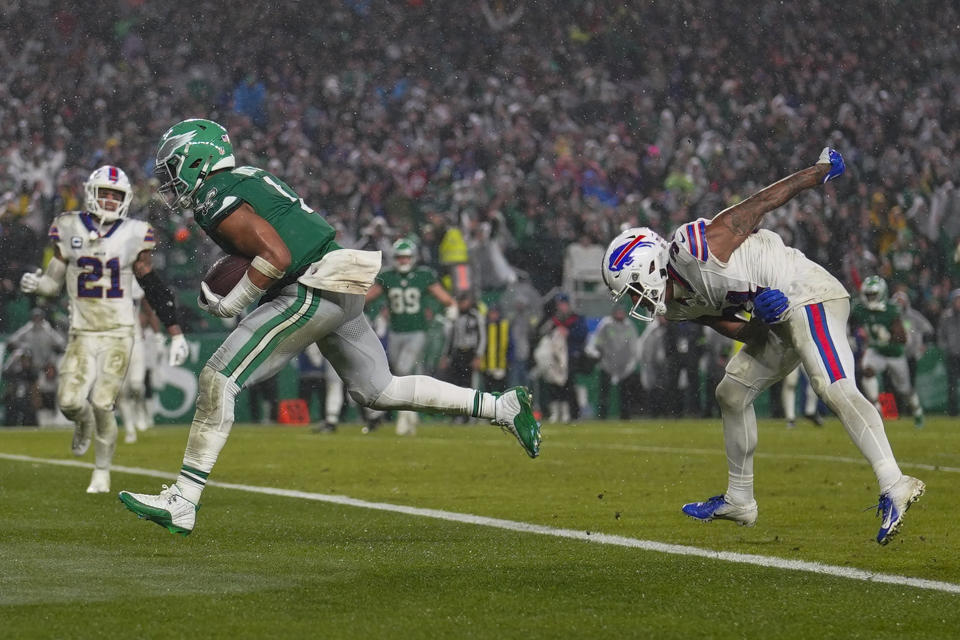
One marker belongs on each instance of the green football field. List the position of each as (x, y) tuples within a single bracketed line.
[(457, 534)]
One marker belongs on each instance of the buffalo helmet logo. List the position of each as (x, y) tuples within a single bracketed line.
[(622, 256)]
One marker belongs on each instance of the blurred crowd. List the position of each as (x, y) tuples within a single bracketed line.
[(501, 132)]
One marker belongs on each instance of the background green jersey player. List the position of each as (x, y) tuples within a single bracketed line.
[(407, 288), (252, 213), (879, 320)]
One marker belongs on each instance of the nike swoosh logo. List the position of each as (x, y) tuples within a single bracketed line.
[(227, 202), (889, 519)]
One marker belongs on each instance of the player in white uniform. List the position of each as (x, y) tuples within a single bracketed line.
[(98, 252), (714, 270), (132, 402)]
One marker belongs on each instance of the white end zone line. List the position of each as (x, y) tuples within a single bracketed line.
[(524, 527)]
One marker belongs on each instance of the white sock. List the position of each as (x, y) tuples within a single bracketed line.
[(864, 425), (104, 438), (423, 393)]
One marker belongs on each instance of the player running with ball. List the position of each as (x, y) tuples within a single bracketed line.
[(310, 291), (713, 270)]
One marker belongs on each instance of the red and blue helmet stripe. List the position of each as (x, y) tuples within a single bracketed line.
[(621, 256)]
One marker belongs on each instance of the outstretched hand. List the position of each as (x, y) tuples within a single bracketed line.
[(835, 160)]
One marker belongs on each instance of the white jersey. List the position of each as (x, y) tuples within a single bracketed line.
[(704, 286), (99, 273)]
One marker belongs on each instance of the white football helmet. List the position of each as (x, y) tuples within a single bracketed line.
[(405, 248), (873, 292), (636, 262), (108, 177)]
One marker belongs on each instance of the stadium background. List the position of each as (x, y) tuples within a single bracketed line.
[(524, 126)]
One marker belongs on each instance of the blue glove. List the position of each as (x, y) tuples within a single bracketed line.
[(770, 304), (837, 167)]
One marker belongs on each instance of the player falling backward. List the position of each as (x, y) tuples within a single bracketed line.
[(98, 252), (715, 269), (310, 290)]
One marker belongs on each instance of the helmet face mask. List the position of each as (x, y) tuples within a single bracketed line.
[(188, 152), (873, 293), (404, 248), (103, 180), (635, 264)]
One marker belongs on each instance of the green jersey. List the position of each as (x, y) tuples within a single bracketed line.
[(879, 326), (406, 295), (306, 234)]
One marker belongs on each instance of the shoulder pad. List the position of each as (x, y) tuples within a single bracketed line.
[(691, 239)]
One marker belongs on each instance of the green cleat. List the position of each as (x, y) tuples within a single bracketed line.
[(918, 420), (168, 509), (514, 413)]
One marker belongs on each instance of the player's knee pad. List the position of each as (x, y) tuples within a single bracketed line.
[(215, 400), (366, 394), (733, 395), (71, 403)]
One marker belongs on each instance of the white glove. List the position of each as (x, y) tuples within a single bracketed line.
[(179, 350), (451, 312), (30, 281), (210, 302)]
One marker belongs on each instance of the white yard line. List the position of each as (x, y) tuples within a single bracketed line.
[(525, 527)]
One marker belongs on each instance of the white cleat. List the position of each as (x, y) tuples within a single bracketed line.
[(130, 437), (513, 412), (894, 503), (81, 438), (718, 508), (168, 509), (99, 481)]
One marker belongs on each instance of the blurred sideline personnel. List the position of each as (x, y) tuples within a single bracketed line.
[(498, 350), (788, 398), (318, 377), (879, 320), (615, 345), (465, 344), (948, 339), (406, 287), (132, 402), (98, 252), (715, 269), (919, 332), (312, 291)]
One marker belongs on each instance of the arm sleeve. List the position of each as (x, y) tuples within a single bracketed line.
[(160, 297)]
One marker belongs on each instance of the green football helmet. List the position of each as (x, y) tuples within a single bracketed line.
[(404, 248), (189, 151), (873, 292)]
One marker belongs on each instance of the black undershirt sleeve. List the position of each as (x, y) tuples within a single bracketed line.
[(160, 298)]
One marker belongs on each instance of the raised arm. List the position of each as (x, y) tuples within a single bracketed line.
[(733, 225)]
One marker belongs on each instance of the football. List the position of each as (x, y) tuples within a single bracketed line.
[(225, 273)]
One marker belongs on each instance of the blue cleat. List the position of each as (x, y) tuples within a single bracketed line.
[(717, 508), (894, 504)]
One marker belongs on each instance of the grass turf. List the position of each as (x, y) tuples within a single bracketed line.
[(75, 565)]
